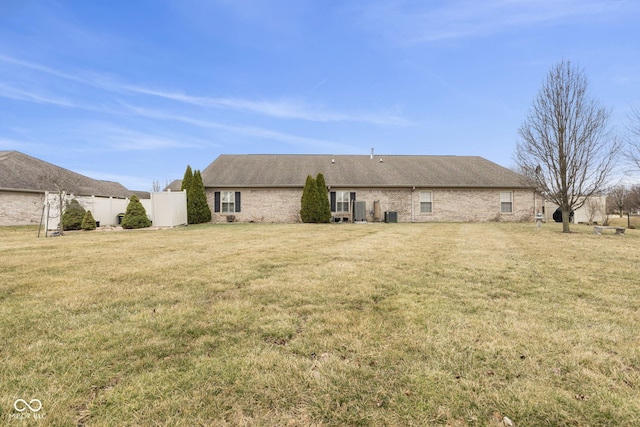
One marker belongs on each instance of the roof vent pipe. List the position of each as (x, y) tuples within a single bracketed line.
[(372, 154)]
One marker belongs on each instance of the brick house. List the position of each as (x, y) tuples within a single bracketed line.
[(268, 188), (24, 181)]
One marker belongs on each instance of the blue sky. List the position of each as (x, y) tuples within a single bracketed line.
[(135, 91)]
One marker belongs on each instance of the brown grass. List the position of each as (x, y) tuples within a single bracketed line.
[(377, 324), (624, 221)]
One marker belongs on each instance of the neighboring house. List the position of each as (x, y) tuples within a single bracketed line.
[(594, 211), (268, 188), (24, 180)]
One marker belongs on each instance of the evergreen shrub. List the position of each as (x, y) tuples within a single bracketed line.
[(324, 213), (136, 215), (186, 180), (73, 215), (310, 202), (198, 210), (88, 222)]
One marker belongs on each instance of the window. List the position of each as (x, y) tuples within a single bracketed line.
[(425, 202), (228, 202), (342, 201), (506, 202)]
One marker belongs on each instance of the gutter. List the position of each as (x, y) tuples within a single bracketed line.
[(409, 187), (22, 190)]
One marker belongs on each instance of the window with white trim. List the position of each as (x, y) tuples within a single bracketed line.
[(426, 205), (228, 201), (506, 202), (342, 201)]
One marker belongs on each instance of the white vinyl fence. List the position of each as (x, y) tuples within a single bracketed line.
[(165, 209)]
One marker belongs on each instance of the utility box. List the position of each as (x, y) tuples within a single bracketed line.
[(360, 212), (391, 216)]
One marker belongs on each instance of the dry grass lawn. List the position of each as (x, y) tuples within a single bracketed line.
[(321, 325)]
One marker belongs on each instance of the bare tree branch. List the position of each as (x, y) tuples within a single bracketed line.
[(565, 143), (60, 182), (633, 136), (618, 197)]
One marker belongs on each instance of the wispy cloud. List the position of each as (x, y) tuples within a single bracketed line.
[(253, 131), (123, 137), (44, 69), (285, 109), (11, 92), (281, 109), (419, 22)]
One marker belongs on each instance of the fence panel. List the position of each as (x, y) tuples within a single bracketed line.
[(165, 209), (169, 208)]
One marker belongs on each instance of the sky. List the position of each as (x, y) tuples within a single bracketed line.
[(135, 91)]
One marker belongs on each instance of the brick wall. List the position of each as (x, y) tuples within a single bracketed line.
[(20, 208), (448, 205), (262, 205), (474, 205), (283, 205)]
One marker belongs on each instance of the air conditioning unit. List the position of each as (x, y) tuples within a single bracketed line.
[(391, 216)]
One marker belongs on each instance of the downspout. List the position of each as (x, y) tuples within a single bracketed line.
[(412, 208)]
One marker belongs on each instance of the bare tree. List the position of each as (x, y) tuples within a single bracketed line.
[(633, 128), (155, 187), (593, 208), (618, 198), (634, 198), (564, 143), (61, 183), (603, 214)]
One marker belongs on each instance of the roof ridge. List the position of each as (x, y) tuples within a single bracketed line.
[(345, 155), (4, 154)]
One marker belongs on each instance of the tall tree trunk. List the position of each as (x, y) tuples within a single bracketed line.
[(565, 220)]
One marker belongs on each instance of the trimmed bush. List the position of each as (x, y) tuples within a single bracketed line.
[(73, 215), (314, 205), (310, 202), (198, 211), (88, 222), (324, 213), (136, 215)]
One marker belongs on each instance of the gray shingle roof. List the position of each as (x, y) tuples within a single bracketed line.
[(255, 170), (19, 171), (174, 185)]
